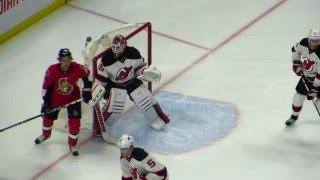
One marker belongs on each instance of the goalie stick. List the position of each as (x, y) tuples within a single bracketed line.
[(41, 114), (104, 128)]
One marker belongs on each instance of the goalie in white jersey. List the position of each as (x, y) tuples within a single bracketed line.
[(137, 164), (120, 71), (306, 63)]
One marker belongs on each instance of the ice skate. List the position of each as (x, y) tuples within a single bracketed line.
[(41, 139)]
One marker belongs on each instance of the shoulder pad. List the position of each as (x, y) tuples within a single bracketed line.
[(304, 42), (108, 58), (139, 154), (132, 53)]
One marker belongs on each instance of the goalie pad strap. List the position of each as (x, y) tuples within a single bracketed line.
[(117, 102), (143, 98)]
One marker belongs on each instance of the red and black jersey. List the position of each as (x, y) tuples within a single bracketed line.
[(61, 87)]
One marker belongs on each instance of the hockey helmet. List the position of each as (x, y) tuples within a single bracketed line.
[(118, 44), (126, 141), (64, 53), (314, 34)]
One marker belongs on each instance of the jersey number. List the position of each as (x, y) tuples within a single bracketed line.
[(151, 163)]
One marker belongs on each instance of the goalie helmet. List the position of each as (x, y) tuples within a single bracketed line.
[(118, 44), (125, 141), (314, 34), (64, 53)]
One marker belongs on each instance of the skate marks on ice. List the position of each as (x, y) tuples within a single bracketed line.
[(195, 122), (304, 134), (296, 147)]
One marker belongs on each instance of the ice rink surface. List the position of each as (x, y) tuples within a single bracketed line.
[(234, 51)]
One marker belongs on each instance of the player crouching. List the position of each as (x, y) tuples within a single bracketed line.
[(136, 163), (60, 88), (120, 71)]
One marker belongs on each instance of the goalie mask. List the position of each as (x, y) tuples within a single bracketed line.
[(118, 44), (314, 38)]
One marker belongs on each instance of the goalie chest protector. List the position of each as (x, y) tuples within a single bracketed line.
[(120, 70)]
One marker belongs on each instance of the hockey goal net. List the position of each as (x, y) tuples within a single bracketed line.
[(137, 35)]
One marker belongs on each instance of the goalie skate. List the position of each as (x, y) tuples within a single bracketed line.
[(158, 125)]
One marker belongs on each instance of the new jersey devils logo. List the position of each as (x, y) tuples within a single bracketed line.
[(123, 73), (307, 64), (64, 87)]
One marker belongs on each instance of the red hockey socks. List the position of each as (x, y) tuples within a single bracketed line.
[(74, 129), (47, 126)]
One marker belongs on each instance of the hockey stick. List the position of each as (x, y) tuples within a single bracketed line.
[(41, 114), (306, 86)]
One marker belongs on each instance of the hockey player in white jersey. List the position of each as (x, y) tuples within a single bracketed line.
[(137, 164), (306, 63), (120, 71)]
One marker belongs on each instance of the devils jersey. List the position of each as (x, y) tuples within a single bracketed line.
[(60, 86), (140, 164), (120, 70), (309, 58)]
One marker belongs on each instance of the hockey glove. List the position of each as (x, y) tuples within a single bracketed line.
[(312, 93), (86, 95), (297, 67), (150, 74), (45, 108)]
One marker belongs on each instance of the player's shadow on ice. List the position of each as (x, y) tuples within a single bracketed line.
[(310, 122), (302, 134)]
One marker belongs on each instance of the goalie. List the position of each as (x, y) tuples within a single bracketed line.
[(120, 71)]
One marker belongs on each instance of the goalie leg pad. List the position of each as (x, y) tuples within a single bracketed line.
[(143, 98), (151, 110), (117, 100)]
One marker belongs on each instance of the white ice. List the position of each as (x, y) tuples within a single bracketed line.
[(252, 71)]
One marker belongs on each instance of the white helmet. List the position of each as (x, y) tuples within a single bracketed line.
[(314, 34), (125, 141)]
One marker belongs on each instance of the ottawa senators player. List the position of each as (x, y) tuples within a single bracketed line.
[(60, 88), (306, 63), (119, 72), (137, 164)]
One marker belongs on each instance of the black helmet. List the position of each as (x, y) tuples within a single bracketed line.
[(63, 53)]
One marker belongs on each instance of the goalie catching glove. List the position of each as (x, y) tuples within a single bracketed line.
[(150, 74)]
